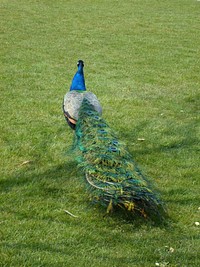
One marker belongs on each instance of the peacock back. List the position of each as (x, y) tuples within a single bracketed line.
[(73, 100)]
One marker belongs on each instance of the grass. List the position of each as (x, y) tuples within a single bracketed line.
[(142, 61)]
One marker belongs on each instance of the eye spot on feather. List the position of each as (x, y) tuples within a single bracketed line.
[(88, 112), (115, 142), (96, 118), (101, 125), (112, 149), (102, 131)]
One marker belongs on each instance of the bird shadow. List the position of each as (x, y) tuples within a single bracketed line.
[(65, 180)]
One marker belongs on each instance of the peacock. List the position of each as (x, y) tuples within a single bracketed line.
[(112, 177)]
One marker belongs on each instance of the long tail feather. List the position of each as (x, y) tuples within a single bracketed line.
[(111, 174)]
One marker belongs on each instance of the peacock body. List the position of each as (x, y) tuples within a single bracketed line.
[(111, 175), (74, 98)]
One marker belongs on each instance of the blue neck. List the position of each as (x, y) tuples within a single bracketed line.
[(78, 82)]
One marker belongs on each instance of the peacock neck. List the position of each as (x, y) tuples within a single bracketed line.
[(80, 69), (78, 82)]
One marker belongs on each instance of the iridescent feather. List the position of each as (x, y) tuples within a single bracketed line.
[(112, 176)]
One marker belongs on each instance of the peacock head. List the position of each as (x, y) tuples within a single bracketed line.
[(78, 82), (80, 63)]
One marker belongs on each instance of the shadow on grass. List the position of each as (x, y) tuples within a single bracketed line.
[(187, 135), (183, 197), (29, 174), (137, 220), (59, 181)]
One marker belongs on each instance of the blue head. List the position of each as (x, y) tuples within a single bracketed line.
[(78, 82)]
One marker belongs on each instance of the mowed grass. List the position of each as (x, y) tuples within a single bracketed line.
[(142, 60)]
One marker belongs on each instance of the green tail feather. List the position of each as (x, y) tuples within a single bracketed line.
[(111, 174)]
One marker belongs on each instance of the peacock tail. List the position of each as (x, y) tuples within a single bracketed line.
[(111, 174)]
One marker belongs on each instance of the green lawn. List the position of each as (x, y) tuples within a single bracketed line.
[(142, 60)]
